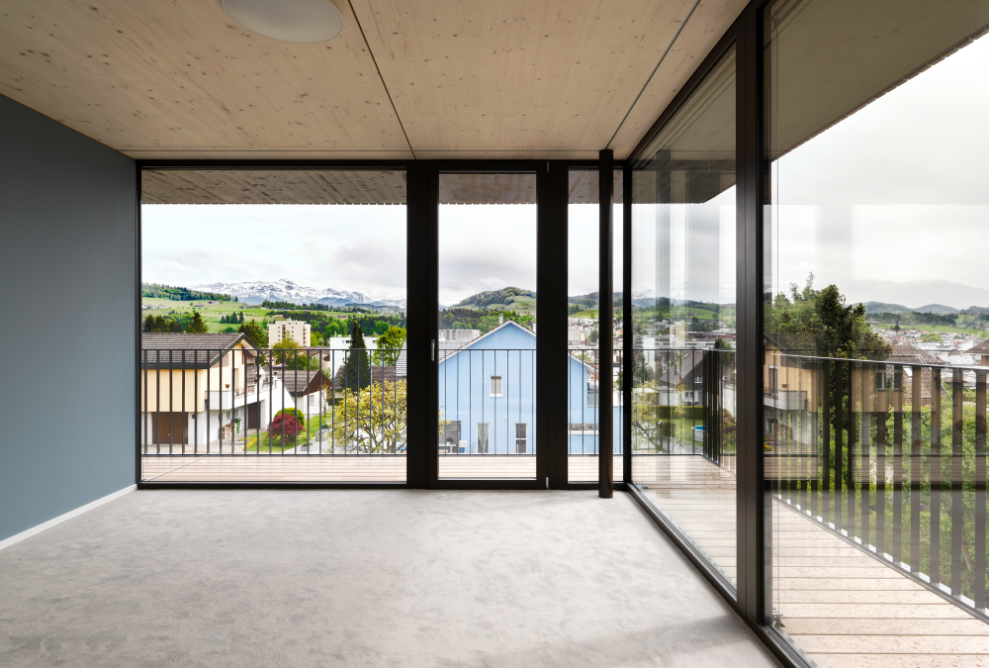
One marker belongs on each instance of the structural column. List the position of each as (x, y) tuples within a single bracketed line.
[(606, 460)]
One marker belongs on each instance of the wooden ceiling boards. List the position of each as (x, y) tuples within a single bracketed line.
[(468, 78), (164, 79)]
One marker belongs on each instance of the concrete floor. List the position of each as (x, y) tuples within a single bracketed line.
[(362, 578)]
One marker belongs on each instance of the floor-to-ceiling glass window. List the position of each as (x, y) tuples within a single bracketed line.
[(683, 318), (486, 351), (273, 334), (877, 333), (583, 331)]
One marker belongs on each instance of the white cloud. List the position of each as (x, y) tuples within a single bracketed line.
[(174, 264)]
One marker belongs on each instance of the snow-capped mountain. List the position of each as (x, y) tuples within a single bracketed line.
[(284, 290)]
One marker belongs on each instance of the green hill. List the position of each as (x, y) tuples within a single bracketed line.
[(499, 298)]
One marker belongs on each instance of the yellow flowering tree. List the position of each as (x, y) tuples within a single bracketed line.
[(374, 419)]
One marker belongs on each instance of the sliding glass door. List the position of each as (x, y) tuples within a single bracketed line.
[(486, 346)]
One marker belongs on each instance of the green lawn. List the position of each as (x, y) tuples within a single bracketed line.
[(274, 446)]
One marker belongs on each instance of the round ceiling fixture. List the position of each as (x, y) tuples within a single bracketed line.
[(292, 21)]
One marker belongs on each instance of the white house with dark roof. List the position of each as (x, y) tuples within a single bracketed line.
[(202, 391)]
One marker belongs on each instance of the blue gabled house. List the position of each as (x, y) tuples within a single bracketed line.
[(487, 397)]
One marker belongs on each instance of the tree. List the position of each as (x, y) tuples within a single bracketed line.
[(149, 324), (357, 372), (241, 316), (285, 426), (389, 346), (255, 334), (723, 344), (374, 418), (303, 361), (295, 412), (836, 332), (283, 345), (928, 338), (198, 325)]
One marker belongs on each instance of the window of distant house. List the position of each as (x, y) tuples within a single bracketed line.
[(495, 386), (521, 437), (698, 380), (483, 437), (883, 381)]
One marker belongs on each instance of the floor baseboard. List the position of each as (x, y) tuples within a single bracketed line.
[(16, 538)]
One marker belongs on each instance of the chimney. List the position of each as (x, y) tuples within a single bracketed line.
[(501, 319)]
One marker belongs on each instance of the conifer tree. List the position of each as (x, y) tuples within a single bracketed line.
[(197, 325), (357, 374)]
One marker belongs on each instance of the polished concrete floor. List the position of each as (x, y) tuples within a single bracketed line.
[(362, 578)]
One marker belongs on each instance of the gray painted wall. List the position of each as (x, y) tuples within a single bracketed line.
[(68, 234)]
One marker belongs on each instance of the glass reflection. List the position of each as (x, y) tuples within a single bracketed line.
[(874, 389), (683, 271)]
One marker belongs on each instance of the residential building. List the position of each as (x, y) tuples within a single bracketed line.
[(199, 389), (284, 330), (488, 401)]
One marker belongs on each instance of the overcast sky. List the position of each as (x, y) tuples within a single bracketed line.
[(362, 248), (892, 204)]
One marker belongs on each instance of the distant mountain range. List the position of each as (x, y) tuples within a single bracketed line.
[(284, 290), (880, 307), (933, 294), (511, 295)]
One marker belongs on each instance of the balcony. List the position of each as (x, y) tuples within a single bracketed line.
[(877, 528), (784, 400)]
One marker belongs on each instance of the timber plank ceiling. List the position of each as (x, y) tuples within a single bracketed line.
[(406, 78)]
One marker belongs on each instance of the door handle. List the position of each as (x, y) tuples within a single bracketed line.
[(432, 350)]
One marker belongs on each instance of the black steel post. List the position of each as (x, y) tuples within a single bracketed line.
[(421, 279), (552, 181), (752, 524), (606, 318), (628, 333)]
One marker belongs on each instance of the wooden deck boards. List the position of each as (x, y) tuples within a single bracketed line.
[(346, 468), (843, 607)]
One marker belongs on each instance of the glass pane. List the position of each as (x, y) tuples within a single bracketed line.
[(487, 326), (274, 328), (877, 294), (683, 273), (583, 219)]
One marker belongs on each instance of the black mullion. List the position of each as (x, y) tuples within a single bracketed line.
[(422, 227), (628, 336), (753, 521), (606, 301), (552, 196)]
